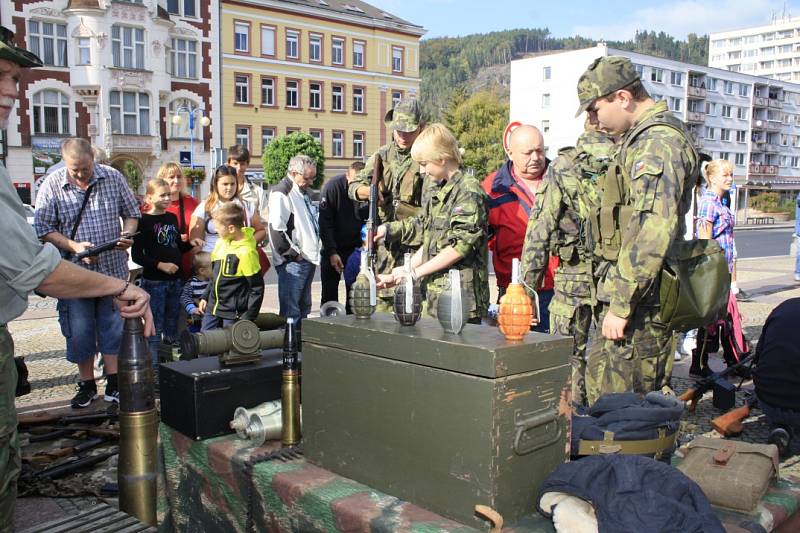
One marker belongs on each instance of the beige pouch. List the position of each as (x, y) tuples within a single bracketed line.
[(732, 474)]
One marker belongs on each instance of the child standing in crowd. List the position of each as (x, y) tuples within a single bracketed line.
[(158, 248), (224, 189), (237, 287), (195, 288)]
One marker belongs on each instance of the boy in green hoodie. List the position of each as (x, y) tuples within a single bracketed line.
[(236, 288)]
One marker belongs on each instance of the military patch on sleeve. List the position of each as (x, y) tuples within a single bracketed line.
[(458, 210), (638, 167)]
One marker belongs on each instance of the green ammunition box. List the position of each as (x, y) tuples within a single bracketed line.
[(443, 421)]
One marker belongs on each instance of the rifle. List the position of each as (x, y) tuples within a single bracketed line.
[(696, 391), (106, 246), (68, 451), (372, 227), (71, 465), (730, 424), (44, 417)]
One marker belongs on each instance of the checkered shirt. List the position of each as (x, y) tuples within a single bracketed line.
[(58, 203), (711, 209)]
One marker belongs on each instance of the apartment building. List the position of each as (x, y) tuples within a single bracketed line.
[(117, 73), (771, 50), (751, 121), (329, 68)]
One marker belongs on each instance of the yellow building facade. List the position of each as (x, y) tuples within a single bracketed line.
[(328, 68)]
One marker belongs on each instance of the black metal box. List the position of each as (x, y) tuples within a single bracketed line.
[(198, 397)]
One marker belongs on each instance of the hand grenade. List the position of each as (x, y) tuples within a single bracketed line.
[(363, 294), (407, 297), (516, 311), (452, 308)]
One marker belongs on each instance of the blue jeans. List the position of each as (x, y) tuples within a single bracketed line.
[(165, 304), (294, 288), (90, 325), (797, 257), (544, 303), (779, 416), (210, 322)]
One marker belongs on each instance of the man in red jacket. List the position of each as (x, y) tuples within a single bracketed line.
[(512, 193)]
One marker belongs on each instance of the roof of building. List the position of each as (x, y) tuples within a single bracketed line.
[(355, 8)]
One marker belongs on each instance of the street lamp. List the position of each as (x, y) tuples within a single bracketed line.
[(190, 111)]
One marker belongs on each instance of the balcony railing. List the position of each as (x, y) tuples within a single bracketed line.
[(772, 148), (768, 170), (697, 92), (760, 102), (132, 143), (695, 117), (776, 104)]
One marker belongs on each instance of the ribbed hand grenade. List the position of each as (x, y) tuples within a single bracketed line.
[(453, 307), (362, 293), (514, 316), (407, 297)]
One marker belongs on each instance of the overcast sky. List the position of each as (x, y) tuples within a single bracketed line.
[(617, 20)]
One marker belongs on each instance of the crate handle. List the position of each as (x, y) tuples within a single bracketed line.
[(548, 416)]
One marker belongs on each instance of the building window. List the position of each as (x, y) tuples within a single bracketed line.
[(292, 93), (741, 136), (675, 103), (657, 75), (181, 130), (337, 98), (676, 78), (127, 47), (267, 91), (50, 113), (545, 126), (396, 97), (712, 84), (267, 40), (292, 44), (727, 112), (84, 55), (711, 109), (358, 144), (725, 134), (183, 57), (315, 95), (710, 133), (316, 135), (744, 90), (49, 42), (337, 50), (397, 59), (359, 49), (267, 134), (243, 135), (796, 161), (728, 87), (639, 69), (315, 47), (184, 8), (291, 129), (741, 113), (337, 144), (358, 99), (739, 158), (241, 37), (546, 100), (241, 89), (725, 155), (130, 113), (546, 73)]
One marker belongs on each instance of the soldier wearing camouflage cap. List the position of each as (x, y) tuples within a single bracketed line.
[(400, 189), (558, 225), (27, 264), (645, 195)]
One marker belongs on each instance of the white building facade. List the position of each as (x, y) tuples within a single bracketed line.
[(116, 73), (751, 121), (771, 50)]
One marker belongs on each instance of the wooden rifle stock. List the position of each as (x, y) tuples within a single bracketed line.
[(730, 424), (372, 221)]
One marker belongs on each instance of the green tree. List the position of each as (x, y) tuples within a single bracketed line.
[(478, 123), (132, 175), (277, 154)]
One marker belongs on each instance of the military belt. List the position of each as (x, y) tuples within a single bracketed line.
[(653, 447)]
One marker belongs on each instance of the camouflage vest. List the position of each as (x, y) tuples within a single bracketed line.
[(615, 209), (402, 183)]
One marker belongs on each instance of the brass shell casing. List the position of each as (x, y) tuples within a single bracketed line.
[(290, 404), (138, 463)]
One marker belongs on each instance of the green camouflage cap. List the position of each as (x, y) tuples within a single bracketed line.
[(604, 76), (405, 116), (595, 143), (11, 52)]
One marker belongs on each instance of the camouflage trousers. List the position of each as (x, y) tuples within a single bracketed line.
[(10, 463), (576, 326), (639, 363)]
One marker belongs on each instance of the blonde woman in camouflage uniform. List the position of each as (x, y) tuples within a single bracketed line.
[(559, 225), (400, 186), (452, 229)]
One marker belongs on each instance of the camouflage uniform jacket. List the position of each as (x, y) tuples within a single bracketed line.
[(660, 162), (559, 225), (455, 216)]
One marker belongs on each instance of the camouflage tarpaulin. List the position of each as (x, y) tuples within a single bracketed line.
[(208, 486)]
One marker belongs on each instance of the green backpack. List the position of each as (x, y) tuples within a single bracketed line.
[(694, 281)]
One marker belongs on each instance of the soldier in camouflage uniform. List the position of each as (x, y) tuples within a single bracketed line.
[(452, 228), (559, 225), (27, 264), (400, 188), (645, 195)]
